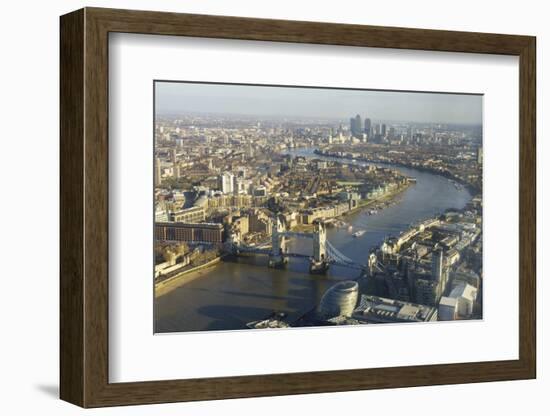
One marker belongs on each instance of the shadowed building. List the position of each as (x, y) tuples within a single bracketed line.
[(356, 127)]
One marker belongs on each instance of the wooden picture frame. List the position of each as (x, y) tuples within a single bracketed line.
[(84, 207)]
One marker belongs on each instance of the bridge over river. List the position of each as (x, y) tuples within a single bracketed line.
[(323, 253)]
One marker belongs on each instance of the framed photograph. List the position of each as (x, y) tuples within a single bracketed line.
[(256, 207)]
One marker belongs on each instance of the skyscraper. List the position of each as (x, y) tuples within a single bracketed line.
[(368, 127), (409, 132), (356, 125), (352, 125)]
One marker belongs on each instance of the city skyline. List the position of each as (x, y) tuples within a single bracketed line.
[(272, 221), (175, 97)]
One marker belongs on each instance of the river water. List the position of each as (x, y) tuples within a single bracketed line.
[(227, 296)]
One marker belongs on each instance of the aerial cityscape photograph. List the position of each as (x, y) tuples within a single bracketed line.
[(291, 207)]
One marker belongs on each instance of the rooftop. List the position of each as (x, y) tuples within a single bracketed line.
[(390, 310)]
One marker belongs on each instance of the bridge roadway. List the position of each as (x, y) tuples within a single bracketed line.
[(334, 256)]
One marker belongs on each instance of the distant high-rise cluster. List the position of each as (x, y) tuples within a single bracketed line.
[(360, 130)]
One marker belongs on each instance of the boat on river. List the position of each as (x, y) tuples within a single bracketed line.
[(274, 320)]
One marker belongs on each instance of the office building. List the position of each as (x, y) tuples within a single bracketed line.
[(259, 222), (368, 127), (339, 300), (375, 310), (189, 232), (465, 296), (437, 265), (192, 215), (227, 183), (448, 309), (426, 292), (241, 225), (161, 215), (356, 126)]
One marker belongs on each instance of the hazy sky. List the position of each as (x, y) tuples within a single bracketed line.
[(179, 97)]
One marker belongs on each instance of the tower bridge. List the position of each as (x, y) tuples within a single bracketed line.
[(323, 252)]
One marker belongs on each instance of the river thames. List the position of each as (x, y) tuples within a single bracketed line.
[(234, 292)]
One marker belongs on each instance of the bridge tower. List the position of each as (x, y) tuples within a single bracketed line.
[(319, 242), (278, 244), (319, 262), (232, 243), (373, 260)]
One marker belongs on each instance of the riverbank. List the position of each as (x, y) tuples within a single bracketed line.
[(388, 199), (165, 286), (445, 174), (385, 199)]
